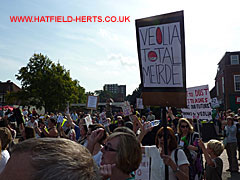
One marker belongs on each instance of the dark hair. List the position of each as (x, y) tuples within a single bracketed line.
[(53, 121), (85, 127), (30, 132), (173, 140), (129, 124)]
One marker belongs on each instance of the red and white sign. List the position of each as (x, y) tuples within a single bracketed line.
[(199, 103)]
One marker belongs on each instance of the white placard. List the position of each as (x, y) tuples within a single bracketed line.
[(126, 109), (199, 103), (139, 103), (88, 120), (214, 103), (161, 55), (92, 102), (142, 173)]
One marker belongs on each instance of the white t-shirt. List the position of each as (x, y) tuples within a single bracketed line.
[(32, 124), (3, 161), (158, 166)]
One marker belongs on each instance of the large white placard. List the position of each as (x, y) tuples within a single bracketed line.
[(161, 56), (199, 103), (92, 102), (142, 173)]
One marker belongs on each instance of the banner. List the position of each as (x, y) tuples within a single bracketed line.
[(199, 103)]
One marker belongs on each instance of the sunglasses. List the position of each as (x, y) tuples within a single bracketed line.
[(184, 126), (107, 148)]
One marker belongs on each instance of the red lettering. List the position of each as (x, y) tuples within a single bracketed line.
[(84, 18), (89, 19), (159, 36)]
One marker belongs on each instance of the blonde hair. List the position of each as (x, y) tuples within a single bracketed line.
[(216, 146), (58, 158), (184, 120)]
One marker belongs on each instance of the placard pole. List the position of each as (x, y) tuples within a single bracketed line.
[(164, 121)]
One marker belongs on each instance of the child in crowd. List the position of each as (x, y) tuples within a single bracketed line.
[(214, 164)]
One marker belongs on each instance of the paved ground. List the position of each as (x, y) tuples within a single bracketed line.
[(228, 175)]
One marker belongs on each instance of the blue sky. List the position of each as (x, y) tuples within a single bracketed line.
[(104, 53)]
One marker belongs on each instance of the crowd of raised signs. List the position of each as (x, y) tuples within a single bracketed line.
[(118, 144)]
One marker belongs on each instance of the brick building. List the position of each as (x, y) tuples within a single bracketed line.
[(227, 82), (118, 90), (7, 87)]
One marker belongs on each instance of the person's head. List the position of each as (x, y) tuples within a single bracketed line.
[(129, 125), (144, 118), (33, 118), (120, 123), (50, 158), (5, 136), (124, 129), (124, 150), (230, 121), (215, 146), (29, 132), (52, 122), (184, 126), (172, 141), (83, 130), (81, 121)]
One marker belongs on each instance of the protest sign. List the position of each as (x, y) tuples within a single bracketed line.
[(142, 173), (199, 103), (126, 109), (139, 103), (92, 102), (161, 52), (103, 119), (88, 120), (214, 103)]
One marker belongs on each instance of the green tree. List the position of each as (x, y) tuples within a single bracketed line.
[(47, 84), (136, 94), (104, 95)]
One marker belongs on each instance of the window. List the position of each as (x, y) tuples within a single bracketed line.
[(237, 82), (234, 59), (223, 85), (217, 89)]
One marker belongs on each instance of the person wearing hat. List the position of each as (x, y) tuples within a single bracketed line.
[(231, 146)]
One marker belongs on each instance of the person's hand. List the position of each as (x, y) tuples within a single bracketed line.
[(147, 127), (201, 144), (96, 135), (166, 159), (106, 170)]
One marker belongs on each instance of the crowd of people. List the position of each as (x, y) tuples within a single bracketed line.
[(80, 145)]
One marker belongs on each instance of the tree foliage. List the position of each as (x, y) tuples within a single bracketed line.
[(104, 95), (47, 84), (136, 94)]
